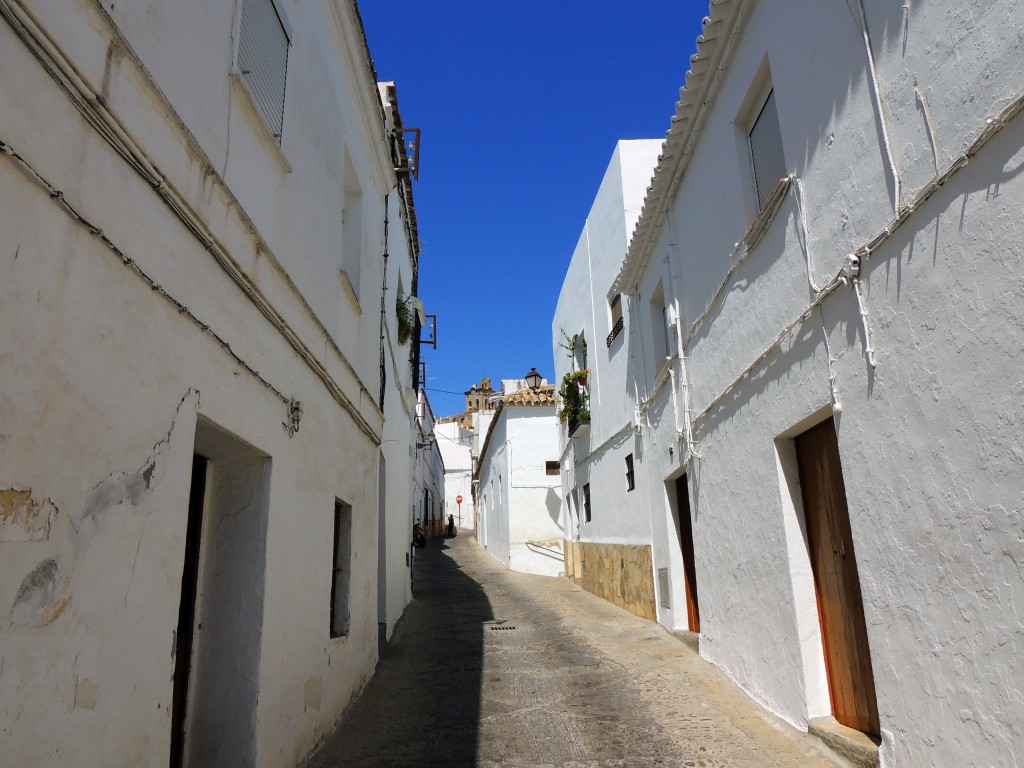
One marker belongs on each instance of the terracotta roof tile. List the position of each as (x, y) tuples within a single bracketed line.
[(543, 396)]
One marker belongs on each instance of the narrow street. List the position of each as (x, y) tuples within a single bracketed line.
[(490, 667)]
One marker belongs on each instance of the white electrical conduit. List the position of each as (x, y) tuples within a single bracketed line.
[(91, 106), (750, 239), (833, 389), (868, 349), (879, 109), (806, 233), (846, 277), (70, 210), (928, 125)]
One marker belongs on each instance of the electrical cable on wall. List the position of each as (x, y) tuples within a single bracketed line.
[(294, 406), (94, 110)]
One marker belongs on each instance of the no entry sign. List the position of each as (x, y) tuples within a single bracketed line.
[(458, 499)]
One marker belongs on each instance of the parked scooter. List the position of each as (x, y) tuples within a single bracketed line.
[(418, 538)]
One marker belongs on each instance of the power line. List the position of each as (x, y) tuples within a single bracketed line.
[(445, 391)]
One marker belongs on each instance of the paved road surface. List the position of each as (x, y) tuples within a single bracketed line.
[(490, 667)]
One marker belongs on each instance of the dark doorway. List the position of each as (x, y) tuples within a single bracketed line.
[(686, 545), (837, 585), (220, 617), (187, 610)]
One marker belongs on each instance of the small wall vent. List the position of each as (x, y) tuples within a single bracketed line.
[(666, 599)]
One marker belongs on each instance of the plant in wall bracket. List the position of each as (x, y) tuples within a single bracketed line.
[(574, 398), (573, 394), (406, 319)]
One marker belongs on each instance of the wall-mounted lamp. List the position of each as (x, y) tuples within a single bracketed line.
[(430, 441), (533, 379)]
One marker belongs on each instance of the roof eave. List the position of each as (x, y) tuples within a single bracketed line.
[(706, 66)]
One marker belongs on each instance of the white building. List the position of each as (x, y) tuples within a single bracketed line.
[(454, 441), (429, 478), (828, 258), (605, 513), (196, 373), (518, 484)]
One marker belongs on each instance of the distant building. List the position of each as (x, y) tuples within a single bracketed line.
[(455, 444), (430, 476), (606, 514), (518, 484), (478, 397)]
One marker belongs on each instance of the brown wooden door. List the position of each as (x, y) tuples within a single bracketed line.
[(840, 607), (686, 545)]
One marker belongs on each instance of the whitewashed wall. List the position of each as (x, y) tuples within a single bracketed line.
[(429, 480), (931, 457), (454, 443), (106, 379), (618, 516), (520, 525), (493, 489), (535, 532)]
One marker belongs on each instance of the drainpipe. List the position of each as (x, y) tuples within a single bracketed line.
[(383, 299)]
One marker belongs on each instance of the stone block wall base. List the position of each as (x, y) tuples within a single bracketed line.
[(619, 573)]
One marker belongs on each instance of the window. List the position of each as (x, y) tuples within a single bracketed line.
[(630, 482), (615, 308), (352, 226), (342, 571), (766, 150), (659, 328), (586, 502), (262, 58), (552, 468)]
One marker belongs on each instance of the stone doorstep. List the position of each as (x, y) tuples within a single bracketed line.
[(689, 639), (858, 749)]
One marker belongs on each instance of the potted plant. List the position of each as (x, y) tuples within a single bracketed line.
[(406, 320), (574, 399)]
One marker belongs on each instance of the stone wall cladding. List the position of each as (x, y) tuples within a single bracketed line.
[(619, 573)]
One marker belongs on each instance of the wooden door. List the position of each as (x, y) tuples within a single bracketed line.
[(840, 607), (686, 545)]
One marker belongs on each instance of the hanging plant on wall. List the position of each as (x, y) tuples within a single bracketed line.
[(574, 398), (406, 320)]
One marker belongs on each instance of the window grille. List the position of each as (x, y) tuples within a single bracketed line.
[(630, 479), (766, 150), (615, 306), (586, 502), (263, 40)]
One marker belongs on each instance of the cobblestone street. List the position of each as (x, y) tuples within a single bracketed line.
[(489, 667)]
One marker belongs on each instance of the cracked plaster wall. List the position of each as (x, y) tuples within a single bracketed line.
[(930, 439), (102, 381)]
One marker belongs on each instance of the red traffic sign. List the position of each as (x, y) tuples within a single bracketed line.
[(458, 499)]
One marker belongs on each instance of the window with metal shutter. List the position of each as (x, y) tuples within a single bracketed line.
[(766, 150), (263, 59)]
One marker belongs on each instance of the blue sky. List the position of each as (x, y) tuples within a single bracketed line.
[(520, 106)]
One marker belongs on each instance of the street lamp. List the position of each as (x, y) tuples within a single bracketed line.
[(533, 379)]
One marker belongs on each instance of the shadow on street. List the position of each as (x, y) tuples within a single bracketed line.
[(422, 706)]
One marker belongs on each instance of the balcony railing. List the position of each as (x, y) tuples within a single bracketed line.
[(616, 330)]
